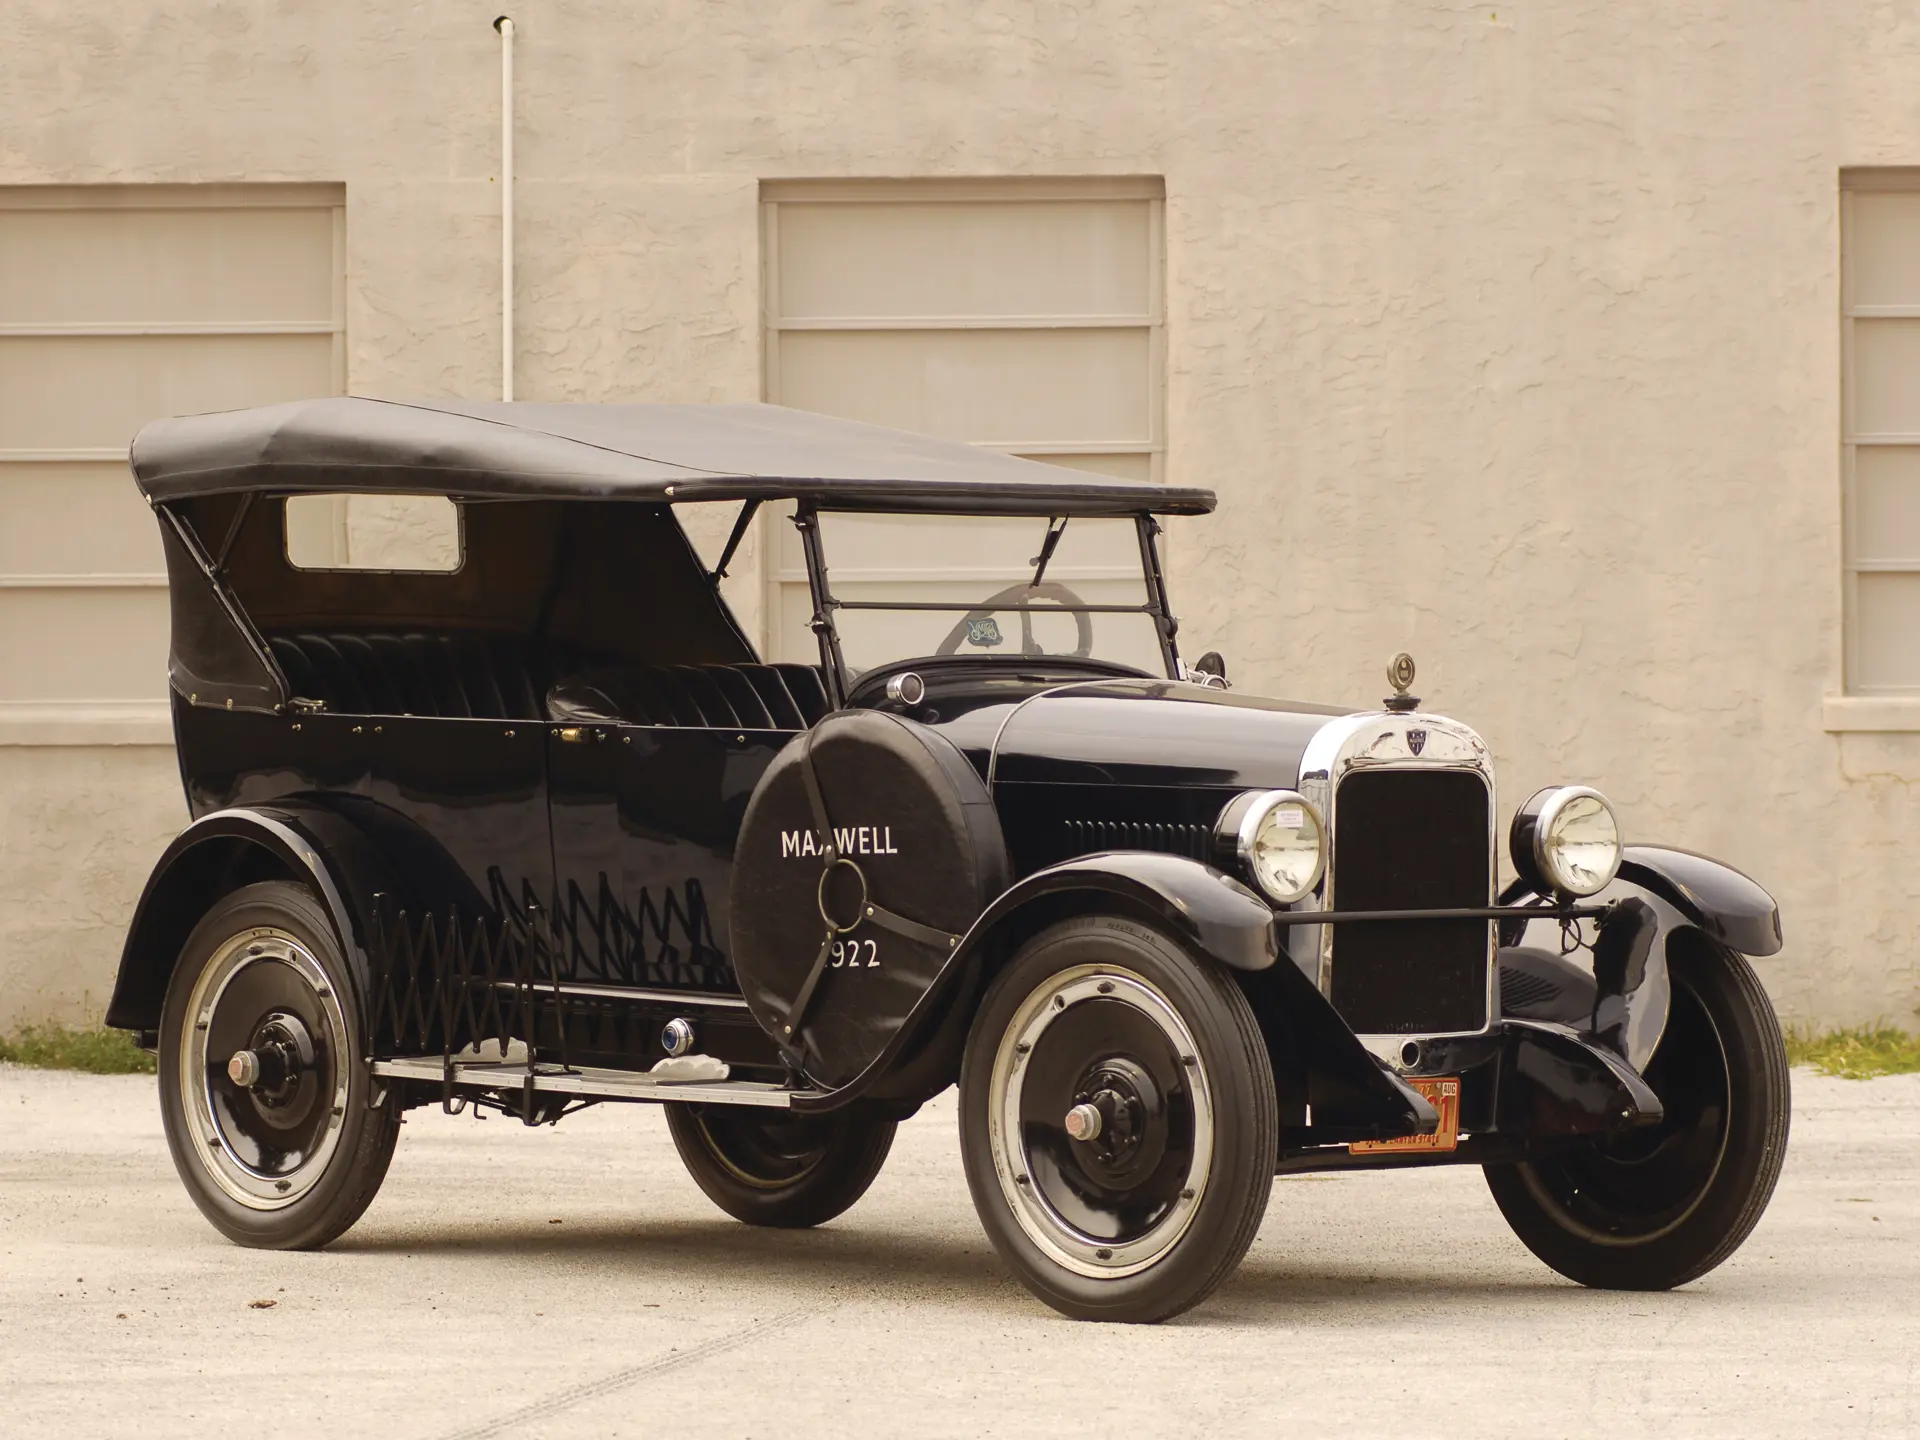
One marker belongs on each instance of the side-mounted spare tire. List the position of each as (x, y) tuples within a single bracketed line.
[(867, 850)]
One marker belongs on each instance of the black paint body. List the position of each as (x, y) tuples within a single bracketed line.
[(607, 846)]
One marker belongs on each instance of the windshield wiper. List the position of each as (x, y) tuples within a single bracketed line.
[(1056, 527)]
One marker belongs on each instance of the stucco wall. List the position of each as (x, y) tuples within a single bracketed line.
[(1506, 332), (80, 827)]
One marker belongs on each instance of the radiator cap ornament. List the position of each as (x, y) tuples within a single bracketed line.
[(1400, 674)]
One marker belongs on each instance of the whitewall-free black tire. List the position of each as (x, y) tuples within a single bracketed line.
[(1655, 1208), (291, 1158), (1118, 1121)]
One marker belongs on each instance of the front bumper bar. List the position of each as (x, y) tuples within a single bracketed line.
[(1525, 1087)]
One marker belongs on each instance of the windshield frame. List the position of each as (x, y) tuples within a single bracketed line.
[(806, 519)]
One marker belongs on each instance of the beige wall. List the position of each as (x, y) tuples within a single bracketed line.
[(1508, 334)]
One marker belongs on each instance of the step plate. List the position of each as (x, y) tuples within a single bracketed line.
[(585, 1081)]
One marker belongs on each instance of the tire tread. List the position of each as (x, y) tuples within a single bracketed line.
[(1245, 1080), (1668, 1262), (851, 1165), (365, 1163)]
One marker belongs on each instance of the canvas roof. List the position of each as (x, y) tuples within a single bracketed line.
[(525, 450)]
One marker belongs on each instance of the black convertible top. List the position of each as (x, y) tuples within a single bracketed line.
[(510, 451)]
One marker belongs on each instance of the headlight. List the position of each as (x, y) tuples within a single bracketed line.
[(1566, 840), (1278, 840)]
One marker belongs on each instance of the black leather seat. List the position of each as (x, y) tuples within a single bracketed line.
[(466, 674), (719, 697), (809, 691), (460, 675)]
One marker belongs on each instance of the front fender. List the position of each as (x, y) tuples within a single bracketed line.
[(1349, 1091), (219, 853), (1680, 892), (1214, 916), (1718, 900), (1198, 904)]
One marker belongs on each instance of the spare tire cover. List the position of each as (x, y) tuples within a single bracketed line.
[(913, 832)]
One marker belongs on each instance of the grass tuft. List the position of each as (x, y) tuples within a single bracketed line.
[(59, 1047), (1857, 1054)]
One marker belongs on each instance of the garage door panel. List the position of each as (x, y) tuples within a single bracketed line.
[(1884, 249), (94, 392), (1076, 258), (1065, 385), (72, 519), (959, 553), (105, 643), (1886, 515), (1889, 642), (135, 266), (1886, 353), (1020, 315), (1130, 465), (119, 305)]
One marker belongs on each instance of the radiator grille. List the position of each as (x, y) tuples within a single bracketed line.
[(1411, 840), (1084, 837)]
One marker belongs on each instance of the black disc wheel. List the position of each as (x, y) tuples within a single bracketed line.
[(1118, 1122), (1651, 1209), (771, 1167), (264, 1088)]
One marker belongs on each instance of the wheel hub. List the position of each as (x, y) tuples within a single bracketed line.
[(260, 1068), (1103, 1122), (282, 1051), (1120, 1143)]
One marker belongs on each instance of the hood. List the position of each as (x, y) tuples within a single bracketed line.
[(1156, 732)]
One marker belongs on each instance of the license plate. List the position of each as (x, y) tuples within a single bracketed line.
[(1443, 1093)]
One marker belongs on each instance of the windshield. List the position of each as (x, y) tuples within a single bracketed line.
[(989, 586)]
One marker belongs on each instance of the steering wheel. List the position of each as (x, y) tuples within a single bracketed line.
[(1046, 590)]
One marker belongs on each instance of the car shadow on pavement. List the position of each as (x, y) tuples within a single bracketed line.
[(714, 1250), (1278, 1292), (963, 1269)]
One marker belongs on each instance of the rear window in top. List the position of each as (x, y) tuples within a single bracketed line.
[(413, 533)]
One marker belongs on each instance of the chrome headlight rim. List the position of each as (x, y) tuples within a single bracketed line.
[(1255, 809), (1531, 842)]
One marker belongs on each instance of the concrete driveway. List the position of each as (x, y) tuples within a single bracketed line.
[(573, 1282)]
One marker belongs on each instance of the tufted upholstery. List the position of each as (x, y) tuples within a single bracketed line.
[(497, 677), (746, 697), (485, 677)]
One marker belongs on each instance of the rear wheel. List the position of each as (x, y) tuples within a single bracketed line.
[(770, 1167), (264, 1087), (1118, 1122), (1651, 1209)]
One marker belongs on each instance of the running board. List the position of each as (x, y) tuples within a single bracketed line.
[(588, 1083)]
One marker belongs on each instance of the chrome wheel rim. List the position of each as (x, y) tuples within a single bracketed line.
[(268, 1145), (1114, 1204)]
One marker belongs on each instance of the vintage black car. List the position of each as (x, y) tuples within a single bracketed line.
[(535, 828)]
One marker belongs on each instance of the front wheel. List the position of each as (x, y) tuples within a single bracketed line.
[(1651, 1209), (264, 1087), (769, 1167), (1118, 1122)]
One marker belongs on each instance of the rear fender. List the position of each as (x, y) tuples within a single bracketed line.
[(223, 851), (1666, 895)]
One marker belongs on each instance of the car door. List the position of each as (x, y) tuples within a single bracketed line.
[(644, 820)]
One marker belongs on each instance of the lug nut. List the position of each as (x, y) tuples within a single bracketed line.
[(1084, 1122), (244, 1069)]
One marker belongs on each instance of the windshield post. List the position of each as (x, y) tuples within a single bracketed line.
[(807, 521), (1166, 625)]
